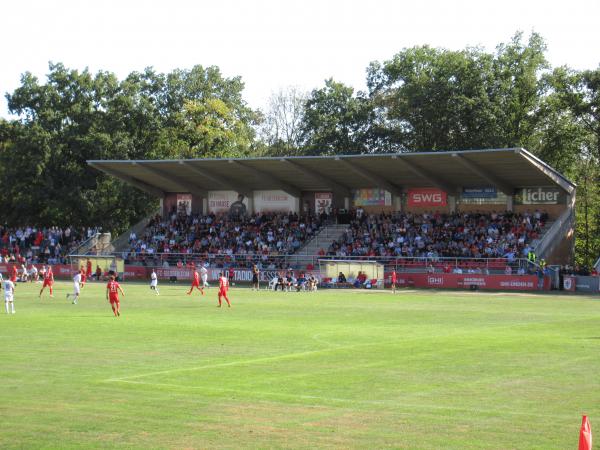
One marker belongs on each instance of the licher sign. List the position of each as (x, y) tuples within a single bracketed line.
[(539, 196), (427, 197)]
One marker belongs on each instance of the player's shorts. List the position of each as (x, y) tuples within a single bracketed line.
[(8, 298), (254, 279), (113, 300), (48, 283), (153, 283), (195, 284), (204, 278), (222, 291), (76, 288)]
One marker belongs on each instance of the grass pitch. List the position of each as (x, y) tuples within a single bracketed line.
[(335, 369)]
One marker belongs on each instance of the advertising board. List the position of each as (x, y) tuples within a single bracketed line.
[(427, 197)]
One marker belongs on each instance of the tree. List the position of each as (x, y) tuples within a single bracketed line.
[(436, 99), (577, 94), (335, 121), (280, 128), (76, 116)]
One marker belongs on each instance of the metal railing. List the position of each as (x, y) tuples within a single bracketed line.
[(86, 245), (274, 262)]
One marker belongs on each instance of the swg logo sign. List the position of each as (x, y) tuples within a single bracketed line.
[(437, 281), (426, 197)]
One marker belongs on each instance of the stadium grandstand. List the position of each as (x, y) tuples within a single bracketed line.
[(495, 212)]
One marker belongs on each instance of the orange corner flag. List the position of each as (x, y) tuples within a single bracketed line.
[(585, 435)]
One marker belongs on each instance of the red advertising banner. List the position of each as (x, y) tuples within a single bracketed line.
[(59, 270), (457, 281), (427, 197), (418, 280)]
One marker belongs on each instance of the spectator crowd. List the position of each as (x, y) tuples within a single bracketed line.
[(40, 245), (460, 235), (242, 241)]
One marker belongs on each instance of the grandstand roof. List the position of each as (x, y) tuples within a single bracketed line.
[(506, 169)]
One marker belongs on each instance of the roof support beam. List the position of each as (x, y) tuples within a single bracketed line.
[(133, 181), (546, 170), (219, 180), (433, 180), (334, 186), (377, 180), (192, 188), (292, 190), (487, 176)]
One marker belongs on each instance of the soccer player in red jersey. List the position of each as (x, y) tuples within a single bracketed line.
[(48, 281), (13, 275), (231, 276), (196, 283), (112, 295), (223, 286), (394, 280), (88, 270), (83, 276)]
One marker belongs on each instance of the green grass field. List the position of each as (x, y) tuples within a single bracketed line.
[(335, 369)]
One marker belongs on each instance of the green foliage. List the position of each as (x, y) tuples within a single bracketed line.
[(335, 121), (76, 116), (436, 99)]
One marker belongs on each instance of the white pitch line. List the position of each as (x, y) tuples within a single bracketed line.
[(321, 351), (391, 403), (252, 361)]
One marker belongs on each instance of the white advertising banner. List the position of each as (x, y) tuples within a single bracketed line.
[(221, 201), (323, 202), (275, 201), (184, 204)]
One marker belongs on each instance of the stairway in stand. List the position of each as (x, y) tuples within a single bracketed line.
[(323, 240)]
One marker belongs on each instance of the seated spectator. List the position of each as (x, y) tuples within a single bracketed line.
[(341, 278), (301, 283), (360, 280)]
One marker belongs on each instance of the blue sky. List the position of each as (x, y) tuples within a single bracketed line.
[(274, 44)]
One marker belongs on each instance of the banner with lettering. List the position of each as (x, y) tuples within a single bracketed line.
[(467, 281), (540, 196), (427, 197)]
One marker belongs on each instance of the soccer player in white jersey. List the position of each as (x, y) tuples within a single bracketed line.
[(204, 276), (76, 287), (9, 296), (33, 273), (154, 282)]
